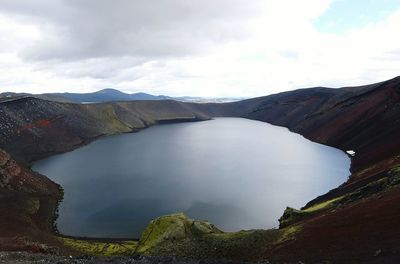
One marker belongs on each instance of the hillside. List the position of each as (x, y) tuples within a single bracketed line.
[(355, 221), (31, 128)]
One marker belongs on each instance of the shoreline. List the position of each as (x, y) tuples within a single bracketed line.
[(172, 121)]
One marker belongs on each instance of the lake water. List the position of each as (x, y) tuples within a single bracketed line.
[(234, 172)]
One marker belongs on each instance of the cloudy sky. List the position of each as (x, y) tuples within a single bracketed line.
[(197, 47)]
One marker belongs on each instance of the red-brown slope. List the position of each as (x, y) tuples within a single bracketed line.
[(364, 232), (28, 202)]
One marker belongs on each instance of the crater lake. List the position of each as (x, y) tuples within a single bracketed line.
[(234, 172)]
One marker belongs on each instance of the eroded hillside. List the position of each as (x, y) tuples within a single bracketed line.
[(31, 128)]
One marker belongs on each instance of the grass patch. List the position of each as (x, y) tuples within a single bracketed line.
[(108, 116), (288, 233), (98, 248), (395, 170), (322, 205)]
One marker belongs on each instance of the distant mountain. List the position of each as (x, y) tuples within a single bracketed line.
[(112, 95), (106, 95)]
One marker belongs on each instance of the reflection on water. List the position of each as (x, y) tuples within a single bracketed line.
[(237, 173)]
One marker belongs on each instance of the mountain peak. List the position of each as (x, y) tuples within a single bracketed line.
[(106, 95), (110, 90)]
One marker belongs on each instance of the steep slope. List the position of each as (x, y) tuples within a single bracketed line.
[(28, 202)]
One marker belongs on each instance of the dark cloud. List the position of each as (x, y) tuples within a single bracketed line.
[(96, 68), (187, 47), (76, 29)]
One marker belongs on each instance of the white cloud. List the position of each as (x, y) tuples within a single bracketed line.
[(177, 47)]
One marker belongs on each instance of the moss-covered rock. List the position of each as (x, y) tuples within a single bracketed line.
[(240, 245), (374, 188), (290, 216), (395, 171), (173, 227), (100, 248)]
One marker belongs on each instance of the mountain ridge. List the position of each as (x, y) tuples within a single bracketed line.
[(107, 95), (110, 95)]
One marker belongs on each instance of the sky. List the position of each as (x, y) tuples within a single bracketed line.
[(210, 48)]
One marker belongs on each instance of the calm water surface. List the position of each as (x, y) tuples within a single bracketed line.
[(237, 173)]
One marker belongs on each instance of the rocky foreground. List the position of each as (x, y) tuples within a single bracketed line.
[(25, 258), (356, 222)]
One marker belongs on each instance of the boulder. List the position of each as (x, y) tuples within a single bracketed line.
[(291, 216), (174, 227)]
